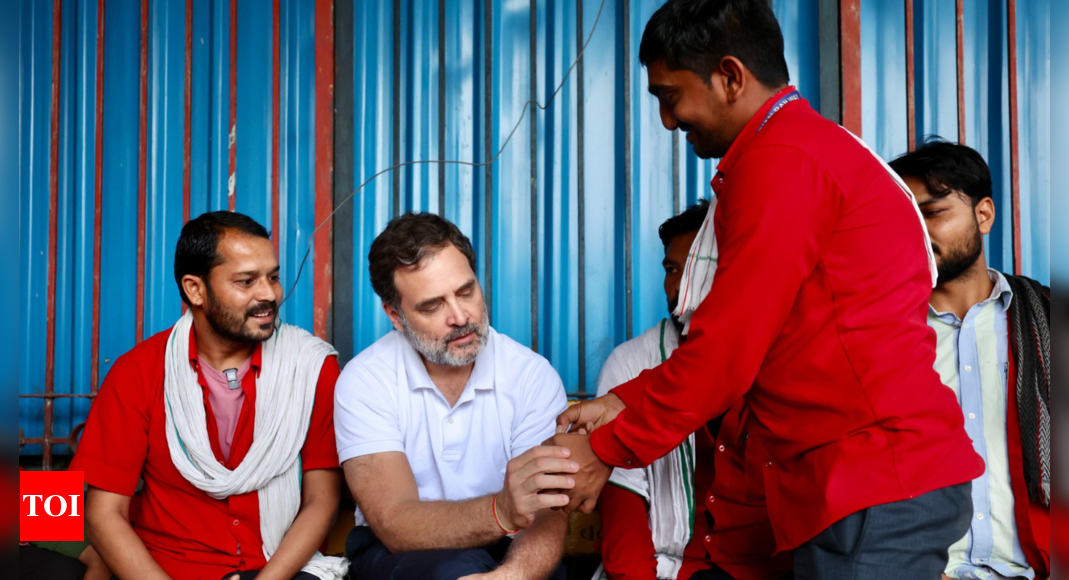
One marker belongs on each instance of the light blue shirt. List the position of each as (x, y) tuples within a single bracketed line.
[(972, 358)]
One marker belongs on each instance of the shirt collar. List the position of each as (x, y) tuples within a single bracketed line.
[(1000, 292), (254, 364), (482, 375), (750, 130)]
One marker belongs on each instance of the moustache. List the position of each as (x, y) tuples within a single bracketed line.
[(273, 306), (462, 331)]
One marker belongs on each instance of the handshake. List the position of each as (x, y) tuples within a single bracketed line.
[(563, 472)]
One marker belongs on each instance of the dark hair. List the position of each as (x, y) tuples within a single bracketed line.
[(696, 34), (404, 243), (686, 222), (196, 252), (945, 168)]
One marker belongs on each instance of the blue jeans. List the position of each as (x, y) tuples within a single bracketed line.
[(907, 539), (369, 559)]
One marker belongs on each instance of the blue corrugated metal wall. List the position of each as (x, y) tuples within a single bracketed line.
[(605, 171)]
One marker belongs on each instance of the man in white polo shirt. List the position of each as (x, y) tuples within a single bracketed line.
[(440, 422)]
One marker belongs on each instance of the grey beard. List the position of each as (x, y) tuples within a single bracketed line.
[(438, 352)]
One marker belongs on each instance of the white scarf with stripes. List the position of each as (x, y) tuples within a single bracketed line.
[(285, 394)]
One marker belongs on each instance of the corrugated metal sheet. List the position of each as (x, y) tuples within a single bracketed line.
[(564, 223)]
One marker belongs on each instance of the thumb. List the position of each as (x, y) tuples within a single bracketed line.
[(570, 415)]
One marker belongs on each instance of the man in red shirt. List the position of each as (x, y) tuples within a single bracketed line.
[(817, 315), (655, 522), (228, 418)]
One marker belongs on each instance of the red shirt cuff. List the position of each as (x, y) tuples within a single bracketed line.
[(609, 449)]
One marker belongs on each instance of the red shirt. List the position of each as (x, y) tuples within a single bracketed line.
[(817, 315), (189, 534), (741, 542)]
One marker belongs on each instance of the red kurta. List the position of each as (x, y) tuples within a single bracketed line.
[(817, 315), (187, 532)]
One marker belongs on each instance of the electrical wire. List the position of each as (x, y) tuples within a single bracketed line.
[(491, 161)]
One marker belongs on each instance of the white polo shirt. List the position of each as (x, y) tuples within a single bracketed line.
[(385, 401)]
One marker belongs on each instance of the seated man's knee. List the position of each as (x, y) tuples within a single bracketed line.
[(465, 563)]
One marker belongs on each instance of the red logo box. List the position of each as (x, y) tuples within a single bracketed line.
[(53, 506)]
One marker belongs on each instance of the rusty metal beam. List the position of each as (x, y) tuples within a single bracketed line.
[(959, 25), (911, 83), (1015, 161), (850, 59)]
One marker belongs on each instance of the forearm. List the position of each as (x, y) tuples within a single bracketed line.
[(121, 548), (537, 551), (436, 525), (305, 536)]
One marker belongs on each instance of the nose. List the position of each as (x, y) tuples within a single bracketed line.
[(457, 316), (266, 292), (668, 119)]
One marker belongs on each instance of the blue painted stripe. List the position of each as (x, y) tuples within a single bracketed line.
[(296, 154), (166, 154), (255, 105)]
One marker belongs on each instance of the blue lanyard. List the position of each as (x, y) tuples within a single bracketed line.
[(792, 96)]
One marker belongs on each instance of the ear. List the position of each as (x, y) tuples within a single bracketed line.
[(985, 215), (733, 78), (395, 316), (196, 289)]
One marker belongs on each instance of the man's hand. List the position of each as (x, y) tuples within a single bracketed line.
[(597, 412), (539, 469), (591, 475)]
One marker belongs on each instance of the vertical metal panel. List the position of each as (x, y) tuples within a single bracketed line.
[(344, 140), (511, 176), (987, 126), (936, 66), (297, 153), (323, 278), (121, 118), (1033, 81), (652, 183), (165, 138), (528, 240), (799, 22), (372, 151), (959, 48), (255, 93), (850, 61), (911, 79), (883, 76), (1015, 152), (142, 169)]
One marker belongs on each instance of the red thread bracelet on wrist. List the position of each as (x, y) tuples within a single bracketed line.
[(497, 520)]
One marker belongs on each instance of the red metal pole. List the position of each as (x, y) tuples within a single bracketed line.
[(231, 182), (53, 229), (98, 209), (142, 177), (324, 163), (959, 19), (911, 86), (275, 232), (1015, 161), (850, 58)]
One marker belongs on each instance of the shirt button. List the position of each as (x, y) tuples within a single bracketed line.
[(709, 538), (722, 448), (628, 463), (965, 325), (768, 464), (979, 516), (236, 522), (972, 415), (968, 368), (450, 420), (710, 499)]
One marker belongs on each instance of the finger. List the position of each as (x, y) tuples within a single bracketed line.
[(582, 431), (535, 453), (544, 481), (587, 507), (547, 465), (561, 429), (570, 415), (573, 505), (551, 500), (589, 427)]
